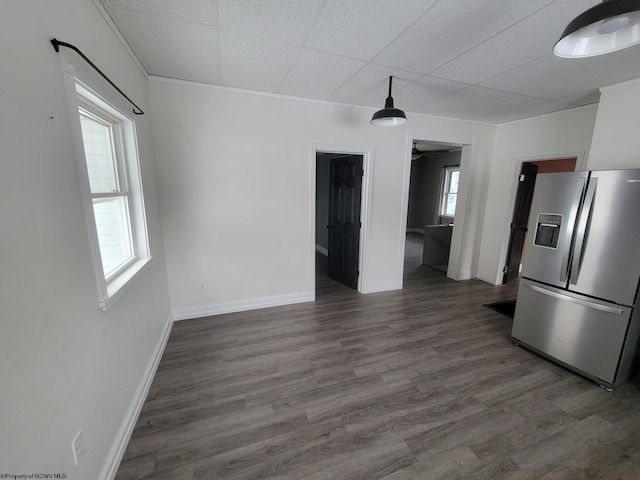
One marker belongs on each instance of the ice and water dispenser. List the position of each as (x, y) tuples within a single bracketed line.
[(548, 230)]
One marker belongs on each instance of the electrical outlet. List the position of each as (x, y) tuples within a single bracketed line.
[(77, 446)]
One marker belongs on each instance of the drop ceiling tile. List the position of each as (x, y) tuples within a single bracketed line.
[(252, 63), (198, 11), (372, 83), (361, 28), (610, 73), (170, 48), (317, 75), (508, 108), (450, 28), (465, 98), (541, 70), (423, 90), (545, 69), (583, 98), (286, 21), (522, 42)]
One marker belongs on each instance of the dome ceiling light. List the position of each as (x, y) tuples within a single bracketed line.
[(388, 116), (609, 26)]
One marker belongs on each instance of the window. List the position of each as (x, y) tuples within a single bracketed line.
[(449, 191), (108, 185), (112, 191)]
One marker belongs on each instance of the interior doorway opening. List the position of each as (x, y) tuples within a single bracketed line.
[(340, 185), (338, 214), (432, 202)]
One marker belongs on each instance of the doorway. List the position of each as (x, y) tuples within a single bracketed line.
[(522, 205), (341, 182), (432, 202)]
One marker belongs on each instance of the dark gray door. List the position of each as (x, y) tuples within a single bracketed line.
[(345, 191), (526, 184)]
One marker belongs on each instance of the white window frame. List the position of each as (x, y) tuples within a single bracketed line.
[(444, 191), (87, 90)]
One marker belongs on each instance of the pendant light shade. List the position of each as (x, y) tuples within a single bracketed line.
[(609, 26), (388, 116)]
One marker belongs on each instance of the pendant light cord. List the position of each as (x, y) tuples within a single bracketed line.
[(57, 44)]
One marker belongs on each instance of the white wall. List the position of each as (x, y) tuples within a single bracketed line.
[(616, 143), (64, 364), (235, 172), (558, 135)]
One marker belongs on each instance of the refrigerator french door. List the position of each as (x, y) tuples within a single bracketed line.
[(579, 287)]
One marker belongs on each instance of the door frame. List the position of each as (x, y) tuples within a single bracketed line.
[(516, 166), (455, 270), (365, 200)]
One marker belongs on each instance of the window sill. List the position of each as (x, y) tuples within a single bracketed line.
[(119, 285)]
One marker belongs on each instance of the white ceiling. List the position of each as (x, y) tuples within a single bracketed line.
[(482, 60)]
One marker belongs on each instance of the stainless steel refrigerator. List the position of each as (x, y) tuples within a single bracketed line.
[(578, 293)]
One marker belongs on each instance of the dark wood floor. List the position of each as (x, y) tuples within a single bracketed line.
[(422, 383)]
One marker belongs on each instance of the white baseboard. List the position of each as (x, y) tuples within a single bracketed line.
[(383, 287), (415, 230), (241, 305), (490, 280), (468, 275), (119, 445)]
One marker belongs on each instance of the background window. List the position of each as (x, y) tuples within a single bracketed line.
[(449, 191)]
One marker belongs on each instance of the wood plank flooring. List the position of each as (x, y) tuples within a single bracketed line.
[(422, 383)]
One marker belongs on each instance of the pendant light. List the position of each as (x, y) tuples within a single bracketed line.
[(388, 116), (609, 26)]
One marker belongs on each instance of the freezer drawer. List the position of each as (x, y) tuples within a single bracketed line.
[(582, 333)]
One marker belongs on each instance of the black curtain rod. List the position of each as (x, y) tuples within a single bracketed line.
[(57, 44)]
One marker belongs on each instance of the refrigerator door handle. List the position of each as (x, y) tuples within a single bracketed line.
[(581, 234), (584, 303), (566, 249)]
